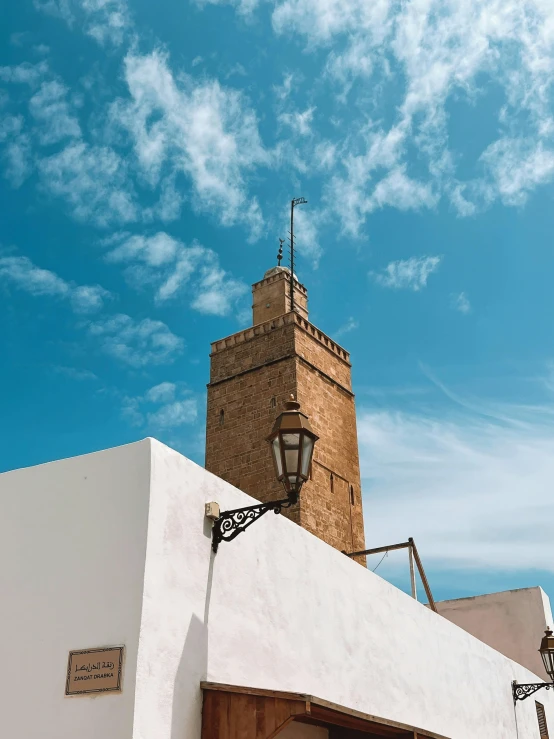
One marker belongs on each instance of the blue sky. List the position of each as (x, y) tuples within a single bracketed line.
[(147, 155)]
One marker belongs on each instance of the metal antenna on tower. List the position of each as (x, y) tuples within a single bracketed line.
[(280, 252), (293, 203)]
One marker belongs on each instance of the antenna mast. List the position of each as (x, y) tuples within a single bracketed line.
[(293, 203), (280, 252)]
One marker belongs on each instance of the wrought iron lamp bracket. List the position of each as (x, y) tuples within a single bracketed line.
[(232, 523), (521, 691)]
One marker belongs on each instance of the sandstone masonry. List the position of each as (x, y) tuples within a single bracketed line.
[(252, 374)]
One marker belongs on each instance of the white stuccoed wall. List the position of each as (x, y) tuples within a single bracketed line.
[(86, 559), (72, 552), (279, 609), (513, 622)]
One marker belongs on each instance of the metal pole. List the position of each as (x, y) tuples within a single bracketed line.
[(423, 578), (391, 548), (412, 572), (292, 255)]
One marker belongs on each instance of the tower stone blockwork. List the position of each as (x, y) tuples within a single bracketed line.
[(252, 374)]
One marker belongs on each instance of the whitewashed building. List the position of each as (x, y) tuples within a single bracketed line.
[(278, 634)]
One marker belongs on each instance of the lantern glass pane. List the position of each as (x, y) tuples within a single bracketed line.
[(548, 659), (291, 446), (276, 449), (307, 451)]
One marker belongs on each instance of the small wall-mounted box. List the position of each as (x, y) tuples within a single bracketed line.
[(212, 511)]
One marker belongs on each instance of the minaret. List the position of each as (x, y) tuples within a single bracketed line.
[(252, 374)]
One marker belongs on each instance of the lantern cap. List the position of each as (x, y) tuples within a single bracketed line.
[(547, 643), (291, 404), (292, 419)]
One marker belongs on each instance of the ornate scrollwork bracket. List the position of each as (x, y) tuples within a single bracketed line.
[(521, 691), (232, 523)]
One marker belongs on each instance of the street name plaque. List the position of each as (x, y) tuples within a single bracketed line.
[(94, 671)]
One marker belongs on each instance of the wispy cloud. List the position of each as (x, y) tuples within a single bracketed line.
[(50, 108), (375, 179), (169, 267), (201, 129), (21, 273), (88, 298), (136, 343), (424, 54), (107, 21), (473, 491), (25, 73), (299, 122), (164, 406), (461, 303), (411, 274), (75, 373), (350, 325), (93, 181), (283, 91)]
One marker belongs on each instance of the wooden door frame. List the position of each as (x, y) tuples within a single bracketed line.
[(237, 712)]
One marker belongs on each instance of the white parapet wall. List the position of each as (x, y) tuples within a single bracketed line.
[(114, 548), (72, 554)]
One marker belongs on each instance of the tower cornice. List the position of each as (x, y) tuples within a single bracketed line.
[(248, 334)]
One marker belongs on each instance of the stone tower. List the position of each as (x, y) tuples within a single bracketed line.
[(252, 374)]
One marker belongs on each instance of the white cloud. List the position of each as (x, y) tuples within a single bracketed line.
[(325, 155), (320, 20), (472, 491), (307, 222), (17, 160), (399, 191), (88, 298), (517, 167), (174, 414), (137, 343), (26, 73), (355, 61), (130, 411), (300, 123), (350, 325), (162, 393), (23, 274), (421, 55), (159, 408), (364, 188), (409, 273), (461, 302), (75, 373), (93, 181), (244, 7), (201, 129), (107, 21), (217, 292), (154, 251), (16, 155), (51, 110), (170, 267), (283, 91), (10, 125)]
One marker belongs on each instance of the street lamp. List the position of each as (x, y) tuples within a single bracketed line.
[(292, 442), (292, 445), (524, 690)]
